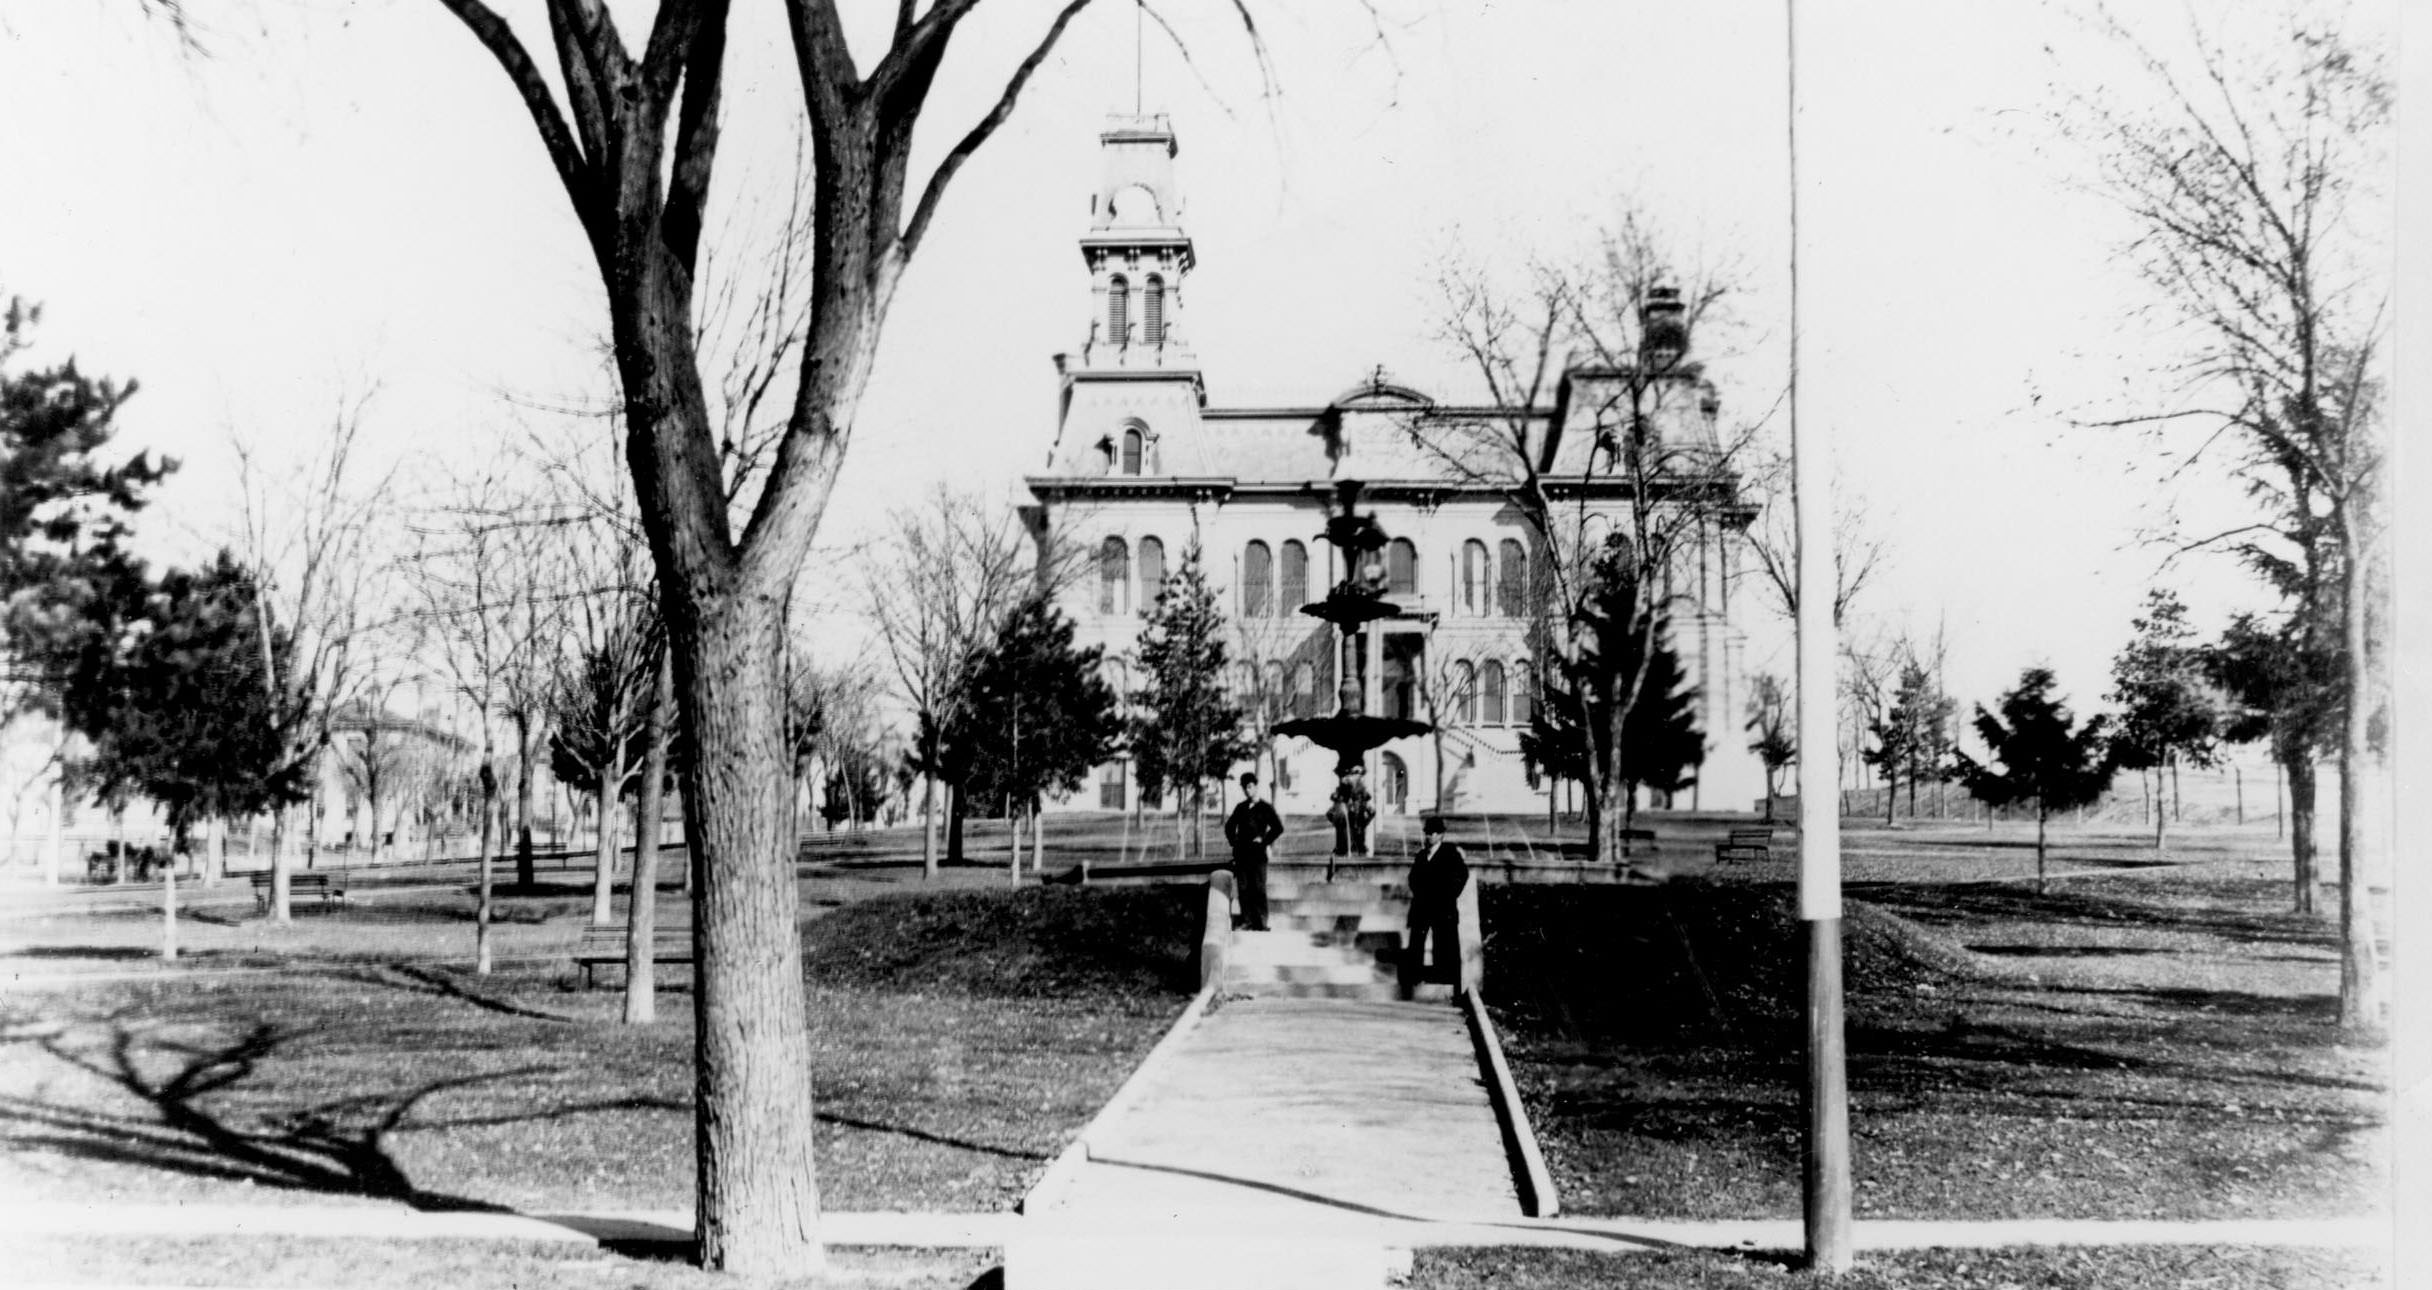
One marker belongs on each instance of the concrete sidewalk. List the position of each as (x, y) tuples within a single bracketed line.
[(1299, 1111)]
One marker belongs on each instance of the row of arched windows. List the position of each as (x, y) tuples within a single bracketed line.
[(1486, 694), (1119, 310), (1499, 586), (1482, 694), (1115, 569), (1261, 596), (1275, 580)]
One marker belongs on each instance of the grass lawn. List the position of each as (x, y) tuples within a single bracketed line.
[(2156, 1046), (959, 1039), (2123, 1268), (485, 1265)]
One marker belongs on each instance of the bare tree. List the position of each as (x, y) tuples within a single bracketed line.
[(1857, 549), (634, 142), (1600, 417), (308, 536), (2250, 177), (940, 590), (489, 613)]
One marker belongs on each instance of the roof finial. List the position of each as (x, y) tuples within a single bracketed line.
[(1139, 21)]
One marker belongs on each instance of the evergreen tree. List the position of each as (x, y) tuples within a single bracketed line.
[(1912, 737), (68, 584), (2169, 710), (1771, 721), (1186, 730), (1041, 715), (2044, 755), (2284, 689), (1661, 745), (180, 710)]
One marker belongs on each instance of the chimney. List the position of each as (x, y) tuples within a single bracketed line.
[(1663, 329)]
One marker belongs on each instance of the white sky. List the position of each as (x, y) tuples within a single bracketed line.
[(347, 194)]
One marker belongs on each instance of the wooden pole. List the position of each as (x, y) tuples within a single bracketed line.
[(1830, 1245)]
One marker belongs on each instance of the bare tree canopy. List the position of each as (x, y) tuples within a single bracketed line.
[(2248, 170), (634, 140)]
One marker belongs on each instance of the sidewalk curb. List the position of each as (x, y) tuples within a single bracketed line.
[(1536, 1183)]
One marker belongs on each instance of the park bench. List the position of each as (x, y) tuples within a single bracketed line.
[(602, 945), (328, 887), (1745, 844)]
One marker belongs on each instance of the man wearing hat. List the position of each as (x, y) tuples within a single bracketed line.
[(1436, 880), (1252, 826)]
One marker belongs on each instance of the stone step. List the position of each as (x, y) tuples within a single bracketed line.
[(1256, 974), (1383, 990), (1325, 907), (1289, 949), (1290, 889), (1374, 920)]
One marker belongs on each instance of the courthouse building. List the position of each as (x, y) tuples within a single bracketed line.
[(1144, 464)]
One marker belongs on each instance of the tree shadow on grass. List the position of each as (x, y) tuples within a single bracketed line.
[(1979, 903), (336, 1147)]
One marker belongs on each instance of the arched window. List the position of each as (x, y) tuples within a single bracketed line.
[(1300, 693), (1511, 579), (1401, 568), (1464, 694), (1135, 446), (1490, 692), (1272, 696), (1592, 535), (1152, 569), (1524, 694), (1119, 311), (1114, 577), (1257, 581), (1473, 577), (1295, 578), (1152, 312), (1245, 681)]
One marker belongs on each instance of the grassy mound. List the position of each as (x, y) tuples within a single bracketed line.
[(1687, 962), (1028, 942)]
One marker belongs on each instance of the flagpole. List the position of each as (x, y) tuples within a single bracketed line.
[(1827, 1182)]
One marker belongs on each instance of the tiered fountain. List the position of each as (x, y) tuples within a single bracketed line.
[(1350, 730)]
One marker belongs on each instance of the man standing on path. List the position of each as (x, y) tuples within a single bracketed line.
[(1251, 828), (1436, 880)]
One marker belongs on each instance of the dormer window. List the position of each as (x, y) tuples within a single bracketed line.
[(1135, 450), (1119, 313)]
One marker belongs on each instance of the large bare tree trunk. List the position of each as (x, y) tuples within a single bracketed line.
[(641, 976), (2307, 864), (2360, 984), (758, 1193)]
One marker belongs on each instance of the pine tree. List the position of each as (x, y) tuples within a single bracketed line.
[(1186, 730), (2169, 711), (2045, 756), (1770, 720), (1661, 744), (1040, 716), (179, 710)]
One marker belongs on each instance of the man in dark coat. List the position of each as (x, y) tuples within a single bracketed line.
[(1436, 880), (1252, 827)]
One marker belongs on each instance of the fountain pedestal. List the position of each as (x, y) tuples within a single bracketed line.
[(1349, 731)]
